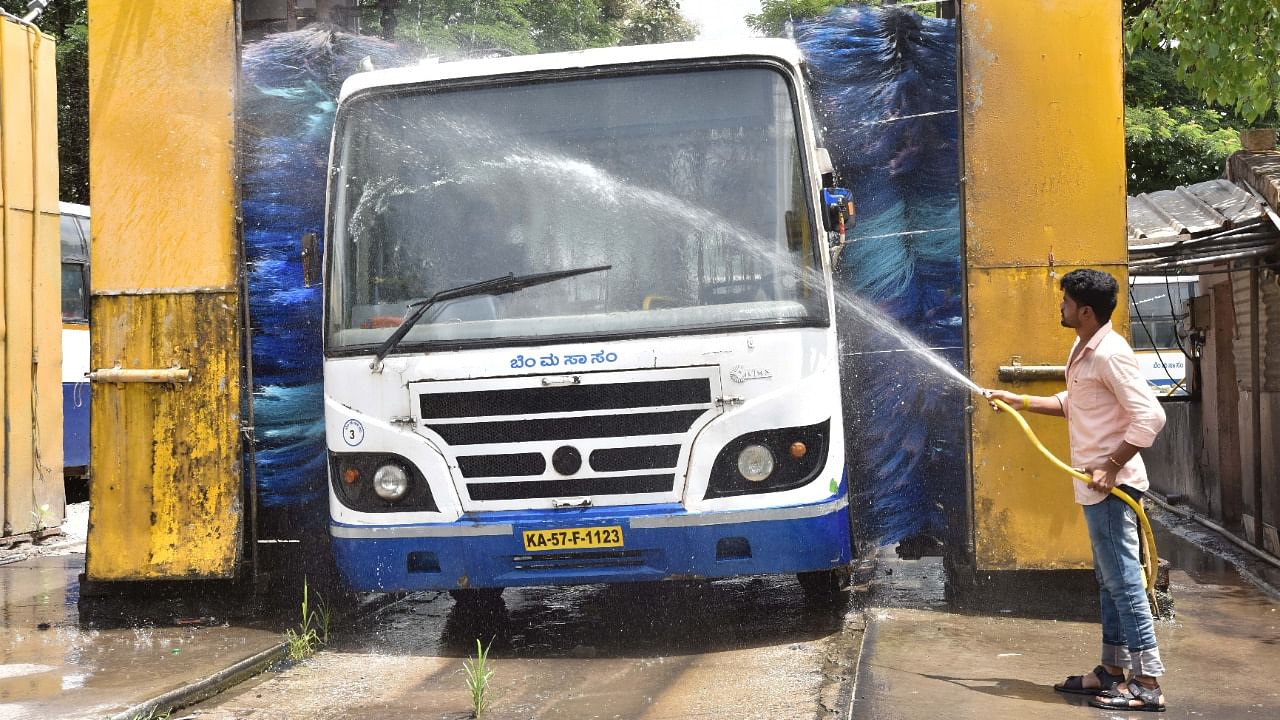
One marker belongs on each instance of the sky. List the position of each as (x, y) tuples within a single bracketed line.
[(720, 19)]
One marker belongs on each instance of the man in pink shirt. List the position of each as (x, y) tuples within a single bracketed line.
[(1111, 414)]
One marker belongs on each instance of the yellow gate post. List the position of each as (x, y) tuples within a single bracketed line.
[(1044, 193), (166, 500), (30, 318)]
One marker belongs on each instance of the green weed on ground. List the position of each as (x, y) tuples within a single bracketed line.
[(478, 674), (313, 631)]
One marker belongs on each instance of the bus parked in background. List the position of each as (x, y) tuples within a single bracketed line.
[(1157, 320), (75, 342)]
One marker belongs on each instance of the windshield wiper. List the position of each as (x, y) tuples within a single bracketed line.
[(508, 283)]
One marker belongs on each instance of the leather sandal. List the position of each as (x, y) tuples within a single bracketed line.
[(1134, 692), (1074, 684)]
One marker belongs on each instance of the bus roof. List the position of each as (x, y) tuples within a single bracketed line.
[(67, 208), (429, 70)]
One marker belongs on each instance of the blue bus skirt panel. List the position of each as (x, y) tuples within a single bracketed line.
[(75, 424), (659, 542)]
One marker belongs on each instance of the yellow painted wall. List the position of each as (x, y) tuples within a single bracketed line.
[(166, 499), (30, 302), (162, 78), (1044, 192)]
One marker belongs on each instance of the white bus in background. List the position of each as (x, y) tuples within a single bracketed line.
[(1157, 328), (75, 339)]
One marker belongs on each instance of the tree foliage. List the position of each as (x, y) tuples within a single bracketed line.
[(1228, 51), (656, 21), (1172, 137), (468, 28), (1167, 147), (775, 14)]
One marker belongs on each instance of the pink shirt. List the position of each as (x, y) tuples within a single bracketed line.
[(1108, 401)]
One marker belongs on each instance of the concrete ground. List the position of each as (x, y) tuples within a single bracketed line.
[(920, 656), (923, 659)]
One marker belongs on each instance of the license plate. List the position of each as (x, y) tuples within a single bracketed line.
[(573, 538)]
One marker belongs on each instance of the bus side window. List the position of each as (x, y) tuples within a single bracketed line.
[(74, 306)]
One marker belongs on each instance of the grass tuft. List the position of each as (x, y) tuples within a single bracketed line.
[(313, 630), (478, 675)]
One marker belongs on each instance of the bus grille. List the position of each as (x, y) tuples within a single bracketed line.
[(578, 560), (592, 435)]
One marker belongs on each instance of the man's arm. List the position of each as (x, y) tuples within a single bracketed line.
[(1043, 405)]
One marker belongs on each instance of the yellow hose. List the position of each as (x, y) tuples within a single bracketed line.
[(1147, 537)]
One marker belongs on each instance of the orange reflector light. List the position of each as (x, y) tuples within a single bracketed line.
[(350, 476), (798, 450)]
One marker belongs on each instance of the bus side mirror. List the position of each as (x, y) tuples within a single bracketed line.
[(311, 256), (837, 210)]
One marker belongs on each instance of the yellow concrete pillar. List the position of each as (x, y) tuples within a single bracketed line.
[(166, 498), (1044, 193)]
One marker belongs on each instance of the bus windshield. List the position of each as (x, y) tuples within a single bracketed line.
[(689, 184)]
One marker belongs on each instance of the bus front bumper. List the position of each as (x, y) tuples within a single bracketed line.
[(658, 542)]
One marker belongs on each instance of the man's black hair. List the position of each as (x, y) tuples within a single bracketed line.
[(1092, 288)]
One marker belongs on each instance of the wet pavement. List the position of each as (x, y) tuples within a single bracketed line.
[(922, 658), (53, 667), (748, 648)]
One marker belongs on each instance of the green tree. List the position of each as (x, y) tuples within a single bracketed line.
[(1167, 147), (656, 21), (468, 28), (1172, 137), (457, 27), (561, 26), (67, 21), (1225, 50), (775, 14)]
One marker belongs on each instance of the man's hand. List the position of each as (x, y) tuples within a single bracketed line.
[(1012, 399), (1104, 479)]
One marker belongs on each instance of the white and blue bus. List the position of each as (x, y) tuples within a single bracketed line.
[(579, 323), (75, 340)]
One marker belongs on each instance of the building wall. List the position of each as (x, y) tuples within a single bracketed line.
[(1174, 460), (1225, 489), (1268, 384)]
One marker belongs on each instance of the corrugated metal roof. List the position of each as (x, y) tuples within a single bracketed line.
[(1191, 211), (1205, 223)]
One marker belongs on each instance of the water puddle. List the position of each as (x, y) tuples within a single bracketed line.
[(54, 666)]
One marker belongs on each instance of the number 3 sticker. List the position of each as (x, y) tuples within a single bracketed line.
[(353, 432)]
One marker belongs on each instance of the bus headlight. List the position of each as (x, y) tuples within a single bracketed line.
[(755, 463), (770, 460), (391, 482)]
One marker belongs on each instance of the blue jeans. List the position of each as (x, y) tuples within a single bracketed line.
[(1128, 632)]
